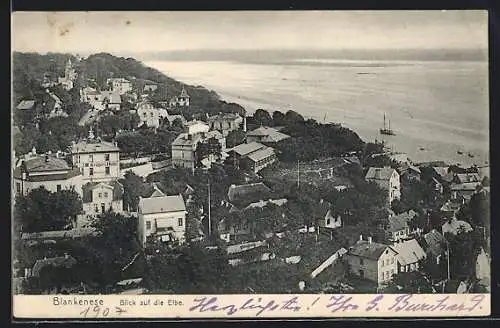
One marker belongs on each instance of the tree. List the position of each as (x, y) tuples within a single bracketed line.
[(278, 118), (235, 138), (133, 188), (207, 148), (262, 117), (177, 125), (116, 245), (292, 118), (42, 210)]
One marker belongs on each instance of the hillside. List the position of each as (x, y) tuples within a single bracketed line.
[(29, 69)]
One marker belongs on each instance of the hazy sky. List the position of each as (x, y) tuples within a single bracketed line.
[(115, 32)]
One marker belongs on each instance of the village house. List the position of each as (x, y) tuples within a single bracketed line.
[(150, 87), (148, 114), (387, 179), (372, 261), (253, 156), (409, 255), (400, 158), (101, 197), (69, 76), (53, 106), (409, 172), (161, 218), (185, 145), (181, 100), (240, 199), (437, 186), (226, 122), (184, 150), (265, 134), (450, 209), (443, 175), (97, 160), (327, 219), (120, 85), (195, 127), (48, 171), (399, 228), (455, 226), (434, 245), (110, 100), (462, 192)]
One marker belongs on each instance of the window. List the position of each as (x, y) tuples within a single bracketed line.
[(106, 194), (91, 171), (100, 195), (148, 225), (96, 208), (91, 158), (327, 221), (18, 187), (58, 187), (103, 207), (361, 262), (106, 157), (106, 170), (361, 273), (180, 222)]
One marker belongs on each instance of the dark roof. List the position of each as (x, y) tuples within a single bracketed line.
[(248, 193), (47, 177), (400, 221), (268, 134), (45, 163), (468, 177), (114, 185), (435, 243), (368, 250)]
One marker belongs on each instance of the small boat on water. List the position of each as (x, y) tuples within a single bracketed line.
[(460, 152), (387, 129)]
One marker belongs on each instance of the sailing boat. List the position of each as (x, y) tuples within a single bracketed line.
[(387, 130)]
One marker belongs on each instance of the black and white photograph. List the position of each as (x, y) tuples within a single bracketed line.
[(250, 152)]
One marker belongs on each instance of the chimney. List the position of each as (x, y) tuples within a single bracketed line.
[(370, 239), (33, 150), (245, 123), (360, 237)]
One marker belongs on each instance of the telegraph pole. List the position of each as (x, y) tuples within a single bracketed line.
[(298, 173), (448, 258), (209, 218)]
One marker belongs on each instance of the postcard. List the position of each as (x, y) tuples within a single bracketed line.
[(250, 164)]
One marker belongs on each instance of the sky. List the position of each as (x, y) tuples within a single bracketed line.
[(115, 32)]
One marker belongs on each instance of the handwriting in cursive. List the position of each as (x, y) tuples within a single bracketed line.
[(404, 303), (211, 304)]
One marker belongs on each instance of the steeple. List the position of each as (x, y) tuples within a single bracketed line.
[(184, 94), (91, 134)]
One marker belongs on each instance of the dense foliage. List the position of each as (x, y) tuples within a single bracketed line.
[(42, 210)]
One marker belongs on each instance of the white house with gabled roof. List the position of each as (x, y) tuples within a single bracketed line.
[(161, 218)]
